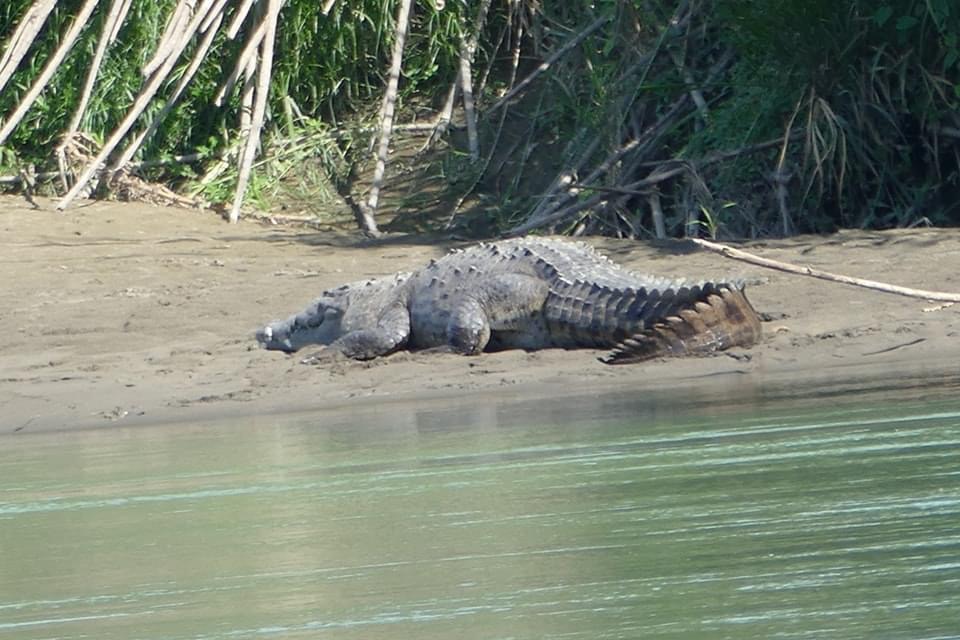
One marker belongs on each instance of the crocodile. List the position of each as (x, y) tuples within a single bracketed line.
[(528, 293)]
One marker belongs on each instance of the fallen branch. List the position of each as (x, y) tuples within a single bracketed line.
[(737, 254)]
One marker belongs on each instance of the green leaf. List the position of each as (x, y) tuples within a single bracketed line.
[(882, 15), (906, 22), (950, 58)]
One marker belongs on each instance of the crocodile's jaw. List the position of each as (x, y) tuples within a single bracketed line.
[(320, 323)]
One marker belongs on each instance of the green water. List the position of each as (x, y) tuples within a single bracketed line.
[(589, 517)]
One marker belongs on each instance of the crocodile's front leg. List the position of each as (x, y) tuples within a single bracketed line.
[(504, 303), (391, 333)]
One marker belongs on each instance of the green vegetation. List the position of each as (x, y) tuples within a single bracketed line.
[(738, 118)]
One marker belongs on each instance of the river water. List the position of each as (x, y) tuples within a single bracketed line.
[(599, 516)]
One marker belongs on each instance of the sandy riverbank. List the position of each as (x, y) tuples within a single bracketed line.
[(121, 313)]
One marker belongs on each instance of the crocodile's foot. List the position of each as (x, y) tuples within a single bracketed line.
[(324, 356)]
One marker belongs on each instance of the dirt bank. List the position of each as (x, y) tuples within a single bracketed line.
[(127, 313)]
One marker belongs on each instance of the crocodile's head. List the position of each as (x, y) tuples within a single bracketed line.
[(319, 323), (353, 306)]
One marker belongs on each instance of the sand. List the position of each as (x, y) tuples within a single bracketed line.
[(125, 313)]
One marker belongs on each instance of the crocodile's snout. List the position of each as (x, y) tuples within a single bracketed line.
[(273, 340)]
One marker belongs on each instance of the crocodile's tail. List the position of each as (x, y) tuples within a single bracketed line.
[(723, 319)]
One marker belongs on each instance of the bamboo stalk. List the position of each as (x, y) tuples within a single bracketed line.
[(786, 267), (115, 32), (246, 97), (238, 19), (496, 139), (111, 26), (49, 69), (143, 99), (386, 122), (118, 11), (468, 48), (259, 106), (185, 79), (172, 34), (250, 49), (23, 37), (470, 113), (214, 15)]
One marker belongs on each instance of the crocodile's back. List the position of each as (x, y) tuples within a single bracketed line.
[(566, 294)]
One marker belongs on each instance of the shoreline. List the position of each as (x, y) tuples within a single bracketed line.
[(126, 314)]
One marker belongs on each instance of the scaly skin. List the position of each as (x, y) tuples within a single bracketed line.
[(529, 293)]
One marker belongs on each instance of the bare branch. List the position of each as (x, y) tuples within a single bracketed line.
[(743, 256)]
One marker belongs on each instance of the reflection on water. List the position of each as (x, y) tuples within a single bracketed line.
[(594, 517)]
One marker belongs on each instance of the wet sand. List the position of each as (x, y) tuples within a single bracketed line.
[(124, 313)]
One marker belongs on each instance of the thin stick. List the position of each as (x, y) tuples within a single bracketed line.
[(386, 124), (143, 99), (656, 213), (552, 197), (442, 121), (546, 64), (259, 107), (51, 67), (737, 254), (23, 37)]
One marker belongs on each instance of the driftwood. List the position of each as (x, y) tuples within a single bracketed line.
[(750, 258)]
